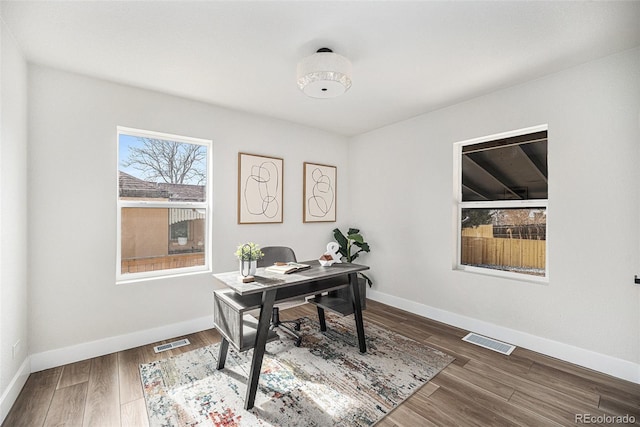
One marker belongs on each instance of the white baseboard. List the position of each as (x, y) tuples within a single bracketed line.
[(619, 368), (88, 350), (10, 394), (606, 364)]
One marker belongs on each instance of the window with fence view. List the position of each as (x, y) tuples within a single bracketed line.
[(163, 206), (502, 203)]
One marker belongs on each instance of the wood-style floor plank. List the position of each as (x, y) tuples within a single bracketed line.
[(587, 383), (210, 336), (479, 388), (614, 406), (32, 405), (74, 373), (531, 388), (553, 378), (515, 366), (480, 399), (603, 382), (134, 414), (129, 374), (481, 381), (103, 395), (402, 416), (427, 407), (67, 406), (559, 414)]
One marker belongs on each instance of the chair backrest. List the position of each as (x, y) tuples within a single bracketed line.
[(273, 254)]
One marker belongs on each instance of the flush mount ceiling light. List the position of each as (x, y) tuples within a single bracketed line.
[(324, 74)]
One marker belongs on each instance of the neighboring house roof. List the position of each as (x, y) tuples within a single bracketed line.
[(130, 186), (184, 192)]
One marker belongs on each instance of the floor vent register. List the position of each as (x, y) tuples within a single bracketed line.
[(171, 345), (489, 343)]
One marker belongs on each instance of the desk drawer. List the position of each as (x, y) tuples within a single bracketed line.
[(230, 320)]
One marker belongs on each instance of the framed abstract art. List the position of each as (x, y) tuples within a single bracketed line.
[(260, 192), (319, 193)]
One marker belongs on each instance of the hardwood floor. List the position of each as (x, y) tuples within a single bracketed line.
[(480, 388)]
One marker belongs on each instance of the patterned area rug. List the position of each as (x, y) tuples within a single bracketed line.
[(324, 382)]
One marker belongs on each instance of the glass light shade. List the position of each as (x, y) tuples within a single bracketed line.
[(324, 75)]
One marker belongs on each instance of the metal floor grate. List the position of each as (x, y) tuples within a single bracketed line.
[(171, 345), (489, 343)]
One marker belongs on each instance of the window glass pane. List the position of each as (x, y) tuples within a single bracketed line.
[(179, 230), (515, 170), (161, 170), (161, 239), (512, 239)]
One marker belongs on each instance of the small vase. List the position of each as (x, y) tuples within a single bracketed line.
[(248, 267)]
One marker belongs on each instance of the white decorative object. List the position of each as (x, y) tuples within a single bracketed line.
[(248, 268), (182, 241), (324, 74), (333, 249)]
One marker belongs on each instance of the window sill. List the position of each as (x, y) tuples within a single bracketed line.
[(126, 280), (520, 277)]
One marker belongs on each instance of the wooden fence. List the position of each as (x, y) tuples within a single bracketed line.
[(162, 262), (503, 252)]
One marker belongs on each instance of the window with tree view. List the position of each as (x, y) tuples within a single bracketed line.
[(163, 204), (502, 203)]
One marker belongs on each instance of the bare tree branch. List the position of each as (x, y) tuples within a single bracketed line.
[(168, 161)]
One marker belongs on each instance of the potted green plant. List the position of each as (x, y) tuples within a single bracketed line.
[(248, 255), (351, 246)]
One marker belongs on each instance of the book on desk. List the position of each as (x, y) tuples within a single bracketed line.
[(287, 267)]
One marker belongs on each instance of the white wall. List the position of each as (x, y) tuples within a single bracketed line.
[(402, 196), (13, 222), (399, 192), (72, 217)]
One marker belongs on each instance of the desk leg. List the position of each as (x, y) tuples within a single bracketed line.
[(268, 298), (357, 311), (222, 353), (321, 319)]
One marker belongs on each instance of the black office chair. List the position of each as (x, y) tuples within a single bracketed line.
[(273, 254)]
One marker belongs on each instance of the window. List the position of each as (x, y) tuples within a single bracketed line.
[(163, 205), (501, 186)]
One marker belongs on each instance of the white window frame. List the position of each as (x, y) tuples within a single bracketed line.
[(207, 206), (458, 205)]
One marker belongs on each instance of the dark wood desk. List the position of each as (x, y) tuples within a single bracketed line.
[(269, 288)]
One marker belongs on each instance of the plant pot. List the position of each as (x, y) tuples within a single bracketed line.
[(345, 293), (182, 241), (248, 267)]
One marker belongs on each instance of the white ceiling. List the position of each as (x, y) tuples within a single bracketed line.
[(408, 57)]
